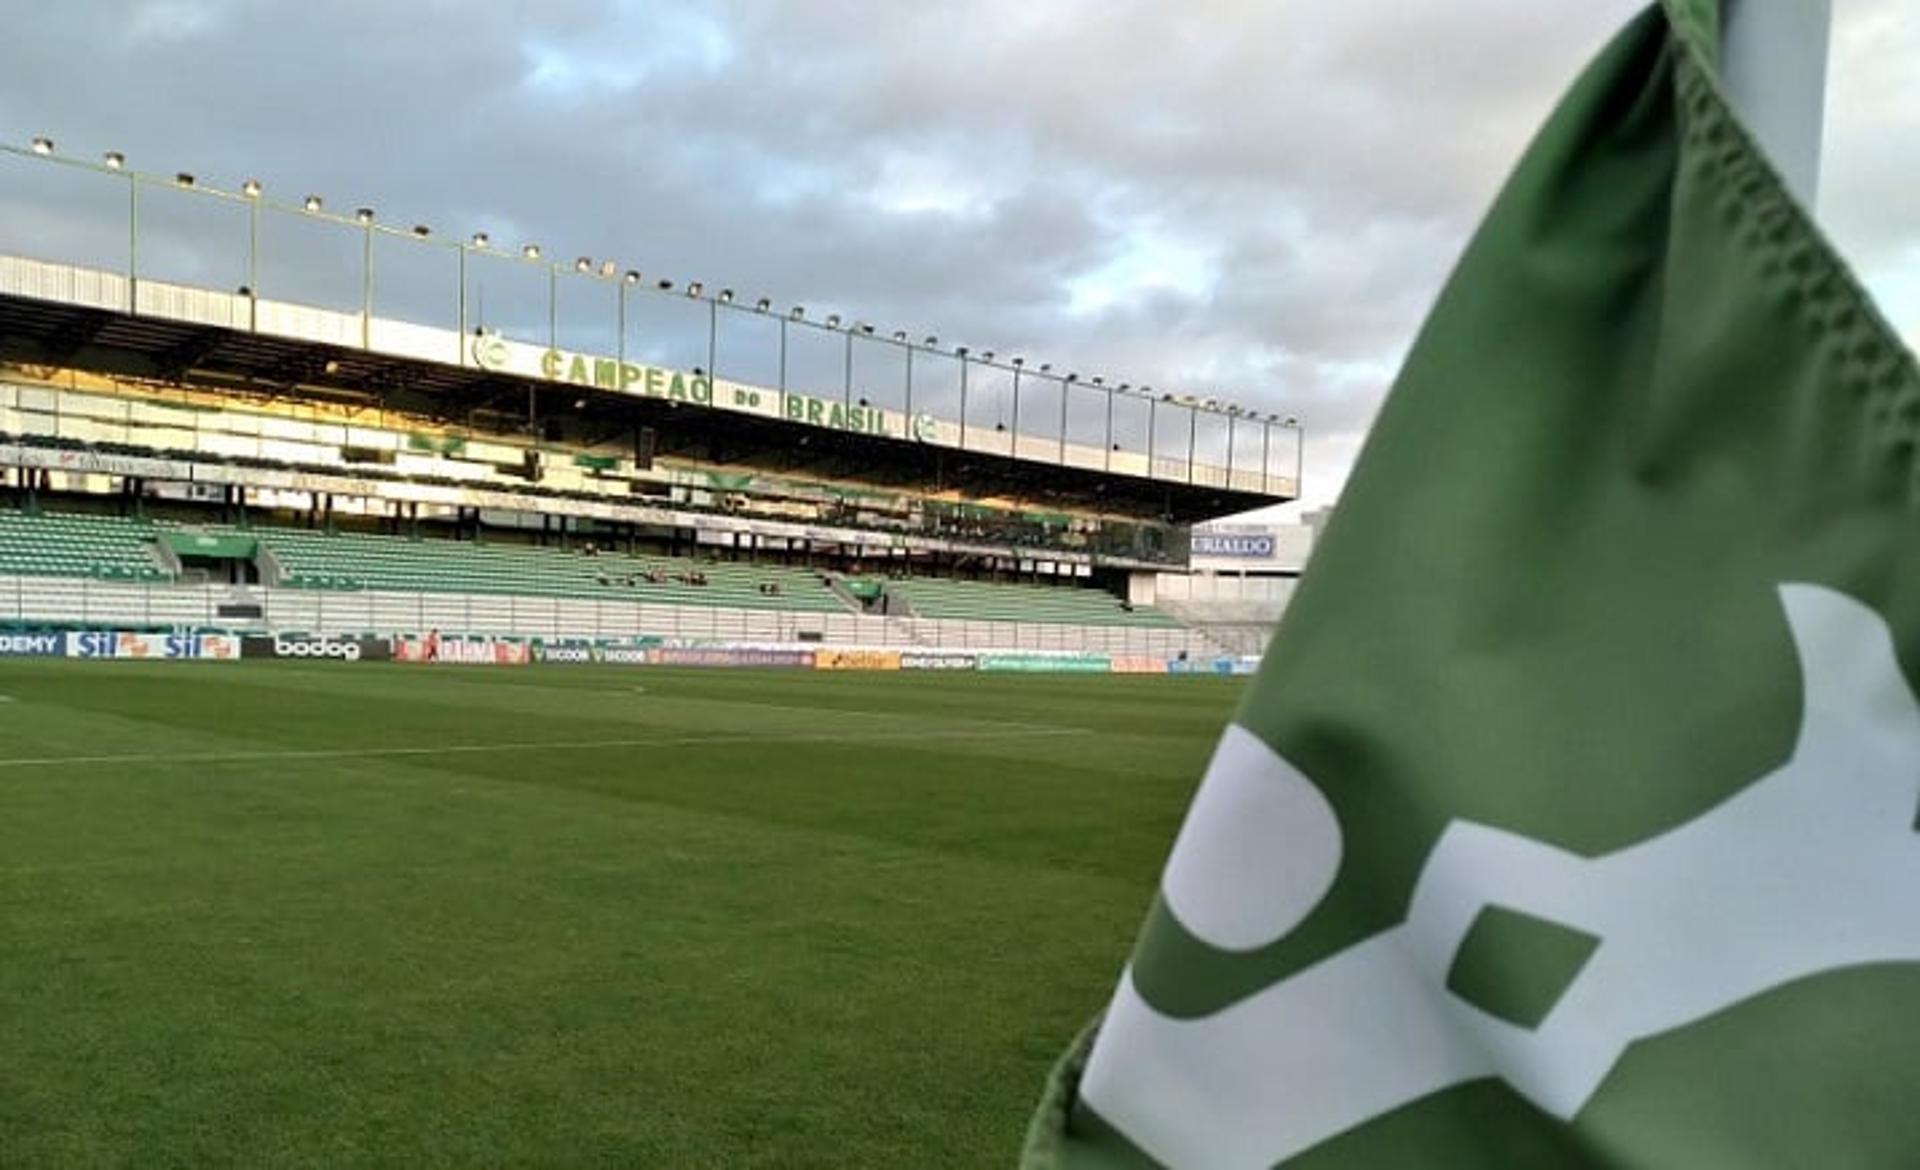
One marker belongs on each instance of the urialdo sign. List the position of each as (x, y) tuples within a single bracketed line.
[(1233, 544)]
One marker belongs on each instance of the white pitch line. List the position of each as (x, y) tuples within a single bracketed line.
[(481, 748)]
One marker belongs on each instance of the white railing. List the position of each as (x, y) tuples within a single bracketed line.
[(65, 600)]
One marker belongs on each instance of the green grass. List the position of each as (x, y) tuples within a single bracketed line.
[(811, 920)]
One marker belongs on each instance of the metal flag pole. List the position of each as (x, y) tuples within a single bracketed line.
[(1774, 63)]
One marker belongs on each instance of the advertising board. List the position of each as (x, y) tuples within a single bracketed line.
[(461, 651), (728, 656), (32, 645), (316, 648), (917, 660), (148, 646), (825, 659), (1046, 663)]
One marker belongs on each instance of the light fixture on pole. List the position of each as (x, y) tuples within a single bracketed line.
[(530, 251), (726, 296), (114, 160), (663, 284), (798, 312), (43, 146), (930, 341), (833, 320), (251, 188), (363, 216), (695, 288), (633, 276), (421, 231), (900, 335), (313, 203), (184, 179), (762, 305), (583, 265), (481, 239), (608, 268)]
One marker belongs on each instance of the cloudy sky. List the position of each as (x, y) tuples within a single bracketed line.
[(1254, 199)]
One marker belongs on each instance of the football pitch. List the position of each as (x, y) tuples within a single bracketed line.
[(327, 913)]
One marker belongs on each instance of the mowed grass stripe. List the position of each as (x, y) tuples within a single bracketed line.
[(835, 952), (455, 749)]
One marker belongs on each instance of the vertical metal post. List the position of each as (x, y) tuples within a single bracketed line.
[(1066, 388), (366, 288), (253, 264), (1153, 418), (847, 393), (133, 241), (963, 402), (462, 250), (713, 340), (553, 306), (1266, 453), (1230, 419), (909, 407), (1774, 64), (1299, 457), (620, 342), (1193, 435), (1013, 447), (783, 364), (1109, 442)]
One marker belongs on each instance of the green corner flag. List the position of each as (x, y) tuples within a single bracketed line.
[(1572, 818)]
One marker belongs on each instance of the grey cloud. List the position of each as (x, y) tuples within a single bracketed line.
[(1328, 159)]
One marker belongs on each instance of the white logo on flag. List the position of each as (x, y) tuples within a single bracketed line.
[(1810, 869)]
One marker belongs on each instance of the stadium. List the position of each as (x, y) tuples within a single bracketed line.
[(609, 457), (304, 875)]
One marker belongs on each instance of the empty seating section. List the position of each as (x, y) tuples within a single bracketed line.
[(933, 597), (315, 560), (113, 548), (77, 545)]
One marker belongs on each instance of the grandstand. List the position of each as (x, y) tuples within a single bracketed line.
[(77, 546), (195, 454), (986, 601)]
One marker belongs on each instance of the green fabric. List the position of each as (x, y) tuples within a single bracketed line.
[(1551, 603)]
